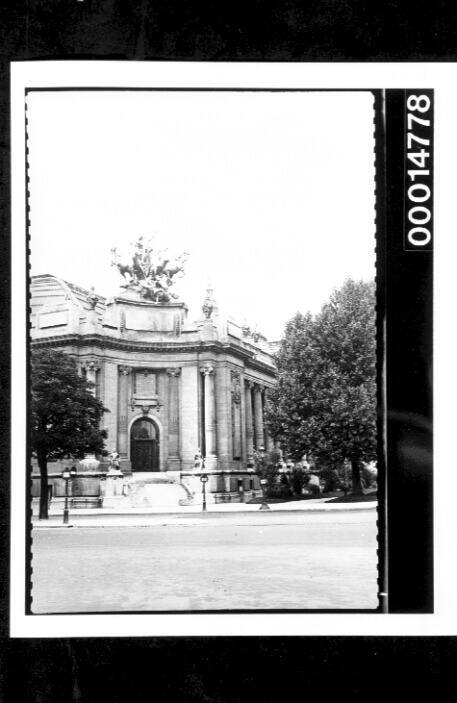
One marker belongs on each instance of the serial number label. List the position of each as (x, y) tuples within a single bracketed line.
[(418, 197)]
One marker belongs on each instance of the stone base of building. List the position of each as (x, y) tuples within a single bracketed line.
[(167, 489), (235, 497)]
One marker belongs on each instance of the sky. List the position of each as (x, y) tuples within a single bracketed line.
[(271, 194)]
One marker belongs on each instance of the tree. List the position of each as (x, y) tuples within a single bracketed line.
[(267, 466), (325, 400), (65, 416), (289, 401)]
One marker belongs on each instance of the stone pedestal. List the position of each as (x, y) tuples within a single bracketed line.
[(112, 489), (227, 483), (208, 330), (155, 491), (84, 484), (89, 464)]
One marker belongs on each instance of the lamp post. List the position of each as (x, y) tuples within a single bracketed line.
[(263, 482), (203, 479), (67, 474)]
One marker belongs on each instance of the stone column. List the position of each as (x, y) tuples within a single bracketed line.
[(123, 399), (236, 413), (173, 418), (269, 445), (258, 417), (210, 415), (223, 417), (92, 368), (243, 421), (110, 401), (249, 425), (189, 434)]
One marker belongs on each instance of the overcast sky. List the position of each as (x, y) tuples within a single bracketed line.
[(272, 194)]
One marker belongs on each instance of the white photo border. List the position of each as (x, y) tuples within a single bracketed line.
[(440, 77)]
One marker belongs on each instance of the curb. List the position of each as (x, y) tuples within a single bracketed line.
[(225, 510), (192, 518)]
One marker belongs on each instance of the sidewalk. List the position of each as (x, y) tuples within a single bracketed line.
[(189, 514)]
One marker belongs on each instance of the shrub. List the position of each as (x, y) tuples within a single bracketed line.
[(279, 490), (298, 479), (313, 489), (330, 479), (267, 466)]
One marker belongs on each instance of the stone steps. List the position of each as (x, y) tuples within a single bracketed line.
[(150, 494)]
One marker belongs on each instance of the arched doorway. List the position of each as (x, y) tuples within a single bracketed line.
[(144, 445)]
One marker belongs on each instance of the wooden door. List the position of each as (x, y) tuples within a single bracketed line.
[(144, 447)]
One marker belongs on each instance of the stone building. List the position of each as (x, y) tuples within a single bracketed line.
[(172, 387)]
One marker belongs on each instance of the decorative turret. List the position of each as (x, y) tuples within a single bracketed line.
[(210, 323), (209, 306), (92, 298)]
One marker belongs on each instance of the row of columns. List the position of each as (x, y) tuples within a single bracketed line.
[(256, 435), (233, 413), (223, 404)]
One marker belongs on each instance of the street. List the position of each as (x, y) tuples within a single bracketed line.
[(261, 561)]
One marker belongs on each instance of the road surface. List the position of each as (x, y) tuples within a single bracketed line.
[(266, 561)]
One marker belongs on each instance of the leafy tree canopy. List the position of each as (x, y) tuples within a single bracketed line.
[(325, 399), (65, 416)]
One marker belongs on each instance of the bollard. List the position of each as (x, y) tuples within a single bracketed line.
[(241, 490)]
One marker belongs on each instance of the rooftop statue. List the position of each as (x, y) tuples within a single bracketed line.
[(152, 272)]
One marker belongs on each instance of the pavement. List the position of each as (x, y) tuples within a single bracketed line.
[(215, 561), (190, 514)]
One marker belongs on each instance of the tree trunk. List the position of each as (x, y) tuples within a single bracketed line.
[(356, 467), (43, 464)]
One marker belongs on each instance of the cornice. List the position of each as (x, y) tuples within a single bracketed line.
[(149, 303), (105, 342)]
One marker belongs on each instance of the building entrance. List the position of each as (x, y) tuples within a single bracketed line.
[(144, 446)]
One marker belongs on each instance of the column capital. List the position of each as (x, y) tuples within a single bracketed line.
[(90, 364), (124, 370), (175, 372), (207, 369), (248, 383)]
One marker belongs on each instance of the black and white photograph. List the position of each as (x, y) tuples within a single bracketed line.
[(220, 292), (203, 372)]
